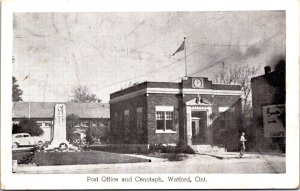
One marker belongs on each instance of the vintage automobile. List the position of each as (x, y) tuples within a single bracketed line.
[(25, 139)]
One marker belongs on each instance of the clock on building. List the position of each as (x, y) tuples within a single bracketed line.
[(197, 83)]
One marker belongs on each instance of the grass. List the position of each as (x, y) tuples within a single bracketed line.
[(171, 153), (169, 156), (88, 157), (158, 155), (23, 157)]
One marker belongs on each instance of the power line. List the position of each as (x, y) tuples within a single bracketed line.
[(205, 68), (173, 63)]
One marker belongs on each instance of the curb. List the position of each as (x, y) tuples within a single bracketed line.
[(233, 156)]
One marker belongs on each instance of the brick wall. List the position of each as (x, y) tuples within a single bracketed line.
[(117, 121), (162, 100), (259, 87), (150, 101)]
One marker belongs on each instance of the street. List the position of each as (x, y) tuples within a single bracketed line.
[(198, 163)]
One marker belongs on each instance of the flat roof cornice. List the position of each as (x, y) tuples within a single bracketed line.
[(174, 91)]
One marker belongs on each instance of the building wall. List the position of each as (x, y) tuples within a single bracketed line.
[(154, 100), (149, 101), (225, 125), (259, 98), (268, 89), (117, 121)]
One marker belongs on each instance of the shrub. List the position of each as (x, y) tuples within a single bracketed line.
[(176, 157), (23, 157), (188, 150), (28, 126), (162, 148), (181, 147)]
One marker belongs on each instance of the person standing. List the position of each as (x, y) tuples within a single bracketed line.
[(242, 143)]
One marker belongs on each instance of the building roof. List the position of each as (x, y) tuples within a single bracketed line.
[(46, 109), (184, 84)]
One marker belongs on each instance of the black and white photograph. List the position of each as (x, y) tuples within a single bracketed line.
[(165, 98)]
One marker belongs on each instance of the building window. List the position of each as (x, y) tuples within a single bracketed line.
[(126, 125), (47, 124), (160, 118), (40, 124), (84, 124), (95, 124), (139, 119), (164, 118), (169, 120)]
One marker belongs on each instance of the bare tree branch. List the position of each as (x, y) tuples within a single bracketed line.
[(238, 75)]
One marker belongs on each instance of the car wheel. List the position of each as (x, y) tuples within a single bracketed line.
[(40, 143), (15, 145)]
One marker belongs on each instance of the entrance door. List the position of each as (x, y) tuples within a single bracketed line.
[(199, 127), (195, 130)]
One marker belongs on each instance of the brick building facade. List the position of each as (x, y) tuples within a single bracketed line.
[(195, 111), (268, 101)]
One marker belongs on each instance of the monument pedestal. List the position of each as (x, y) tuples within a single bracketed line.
[(59, 129), (57, 144)]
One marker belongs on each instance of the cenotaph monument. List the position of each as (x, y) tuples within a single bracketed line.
[(60, 128)]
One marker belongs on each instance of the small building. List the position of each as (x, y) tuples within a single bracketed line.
[(195, 110), (268, 102), (89, 115)]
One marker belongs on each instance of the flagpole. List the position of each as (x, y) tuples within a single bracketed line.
[(185, 56)]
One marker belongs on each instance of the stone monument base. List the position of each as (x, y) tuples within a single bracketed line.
[(61, 144)]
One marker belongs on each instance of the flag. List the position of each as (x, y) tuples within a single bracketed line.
[(180, 48)]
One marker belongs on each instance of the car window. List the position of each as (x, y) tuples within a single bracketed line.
[(26, 135), (19, 136)]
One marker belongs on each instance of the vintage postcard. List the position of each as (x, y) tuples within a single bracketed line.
[(139, 94)]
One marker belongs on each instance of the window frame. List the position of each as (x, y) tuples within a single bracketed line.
[(165, 114), (139, 120), (126, 124)]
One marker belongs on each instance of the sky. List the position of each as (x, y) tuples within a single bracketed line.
[(106, 51)]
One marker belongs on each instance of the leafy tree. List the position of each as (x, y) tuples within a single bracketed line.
[(16, 91), (72, 121), (28, 126), (238, 75), (98, 134), (93, 134), (83, 95)]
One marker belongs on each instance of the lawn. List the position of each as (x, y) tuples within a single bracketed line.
[(87, 157)]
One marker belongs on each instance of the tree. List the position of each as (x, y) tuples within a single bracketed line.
[(83, 95), (238, 75), (72, 121), (28, 126), (97, 135), (16, 91)]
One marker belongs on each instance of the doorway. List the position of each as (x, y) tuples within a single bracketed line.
[(199, 127)]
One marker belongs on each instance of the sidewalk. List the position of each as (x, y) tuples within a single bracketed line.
[(229, 155), (151, 159), (235, 155)]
